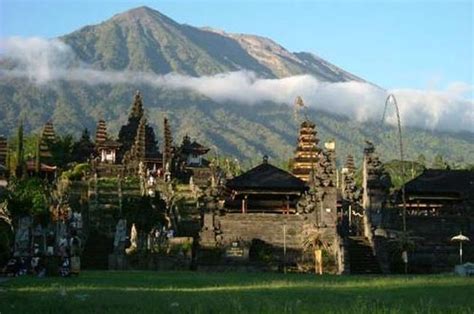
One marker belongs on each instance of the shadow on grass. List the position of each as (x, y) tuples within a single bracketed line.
[(128, 292)]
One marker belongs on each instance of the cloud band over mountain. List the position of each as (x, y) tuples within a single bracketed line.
[(45, 61)]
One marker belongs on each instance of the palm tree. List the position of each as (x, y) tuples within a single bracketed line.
[(313, 241)]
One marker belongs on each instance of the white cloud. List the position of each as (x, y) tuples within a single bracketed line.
[(38, 59), (42, 61)]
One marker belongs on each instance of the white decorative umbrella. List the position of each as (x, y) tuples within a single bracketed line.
[(460, 238)]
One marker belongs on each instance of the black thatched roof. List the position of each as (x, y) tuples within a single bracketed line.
[(194, 148), (108, 143), (455, 183), (266, 177)]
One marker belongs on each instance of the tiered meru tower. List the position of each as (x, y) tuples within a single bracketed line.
[(48, 136), (307, 151), (168, 144), (3, 151), (101, 133)]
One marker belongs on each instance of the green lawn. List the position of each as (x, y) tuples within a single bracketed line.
[(197, 292)]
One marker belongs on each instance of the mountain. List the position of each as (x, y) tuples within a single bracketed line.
[(144, 40)]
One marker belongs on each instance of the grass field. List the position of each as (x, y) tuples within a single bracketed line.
[(196, 292)]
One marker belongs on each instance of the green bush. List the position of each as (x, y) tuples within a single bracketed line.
[(6, 242), (78, 172), (29, 197)]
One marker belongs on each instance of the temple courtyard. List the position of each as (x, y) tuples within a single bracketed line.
[(199, 292)]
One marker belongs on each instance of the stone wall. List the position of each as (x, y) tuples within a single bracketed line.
[(265, 227), (152, 262), (220, 232)]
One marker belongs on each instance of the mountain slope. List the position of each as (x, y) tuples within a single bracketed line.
[(145, 40)]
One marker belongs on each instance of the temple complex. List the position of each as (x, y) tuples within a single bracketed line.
[(135, 146), (138, 202)]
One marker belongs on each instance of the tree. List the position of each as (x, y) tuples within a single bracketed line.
[(61, 150), (83, 148), (28, 196), (145, 212), (38, 156), (439, 163), (421, 160), (20, 167), (394, 168)]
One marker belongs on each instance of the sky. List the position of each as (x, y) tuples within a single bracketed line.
[(394, 44)]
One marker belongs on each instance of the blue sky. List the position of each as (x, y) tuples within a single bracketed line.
[(395, 44)]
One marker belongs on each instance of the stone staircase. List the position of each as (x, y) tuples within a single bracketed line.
[(96, 251), (187, 215), (104, 209), (361, 257), (103, 214)]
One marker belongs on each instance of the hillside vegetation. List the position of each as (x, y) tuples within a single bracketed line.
[(143, 39)]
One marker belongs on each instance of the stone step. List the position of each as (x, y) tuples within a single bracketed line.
[(361, 257)]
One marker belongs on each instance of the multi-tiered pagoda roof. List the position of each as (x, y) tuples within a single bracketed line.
[(48, 136), (307, 151), (3, 151), (193, 147)]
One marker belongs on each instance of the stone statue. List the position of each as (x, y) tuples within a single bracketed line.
[(75, 245), (22, 237), (213, 182), (63, 247), (133, 241), (38, 231), (141, 169), (369, 147), (5, 215), (61, 232), (76, 221), (38, 238), (120, 236), (306, 204)]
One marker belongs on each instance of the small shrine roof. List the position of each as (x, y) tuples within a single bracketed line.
[(442, 182), (266, 177), (194, 147), (31, 166)]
